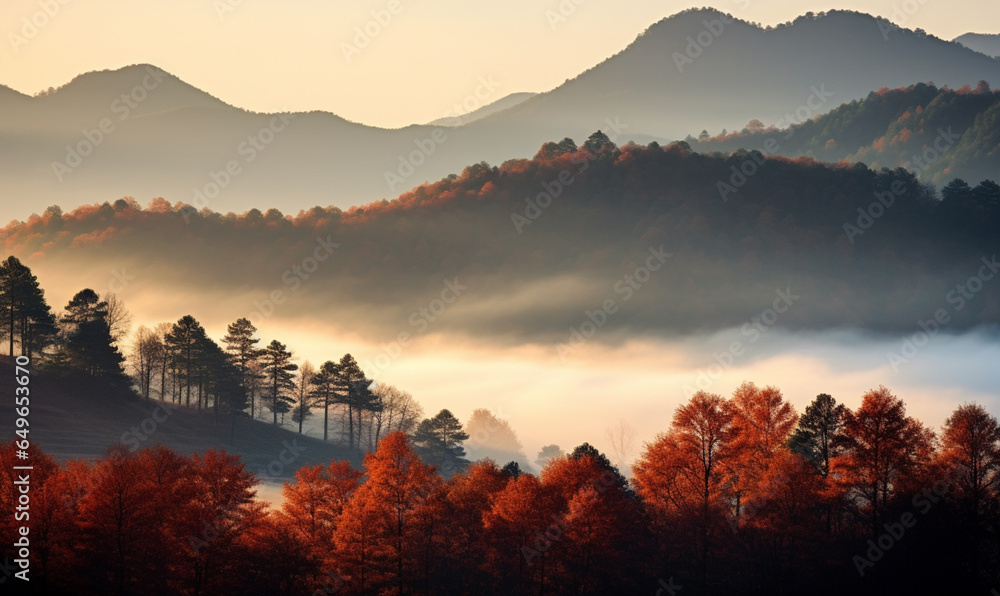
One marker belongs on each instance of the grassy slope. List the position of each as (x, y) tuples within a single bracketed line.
[(79, 418)]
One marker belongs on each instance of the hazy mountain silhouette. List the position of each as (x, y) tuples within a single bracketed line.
[(695, 67), (175, 141), (507, 101), (985, 43)]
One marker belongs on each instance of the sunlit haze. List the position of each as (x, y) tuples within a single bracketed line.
[(549, 398)]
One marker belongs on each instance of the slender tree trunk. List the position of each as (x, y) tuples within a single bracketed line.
[(875, 511), (326, 416), (704, 534), (163, 379), (350, 424), (399, 553), (12, 327), (274, 399)]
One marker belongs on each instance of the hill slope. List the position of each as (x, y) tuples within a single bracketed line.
[(938, 133), (985, 43), (79, 418), (505, 102)]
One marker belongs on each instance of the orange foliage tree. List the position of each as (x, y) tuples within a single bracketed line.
[(376, 536), (601, 525), (682, 476), (884, 451), (762, 423), (313, 504)]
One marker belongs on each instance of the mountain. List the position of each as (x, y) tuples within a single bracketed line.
[(674, 241), (985, 43), (706, 67), (940, 134), (507, 101), (140, 132)]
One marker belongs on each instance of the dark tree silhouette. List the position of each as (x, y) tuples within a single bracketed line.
[(27, 318), (185, 339), (242, 347), (819, 434), (88, 343), (439, 440), (325, 385), (352, 390), (278, 367)]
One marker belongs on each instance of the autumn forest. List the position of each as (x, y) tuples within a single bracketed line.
[(741, 494)]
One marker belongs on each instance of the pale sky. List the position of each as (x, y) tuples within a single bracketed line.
[(271, 55)]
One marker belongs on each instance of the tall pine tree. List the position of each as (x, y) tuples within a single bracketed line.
[(278, 368), (242, 347), (26, 318), (88, 343)]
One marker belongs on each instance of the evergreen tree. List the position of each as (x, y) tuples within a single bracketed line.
[(439, 439), (599, 143), (324, 390), (226, 386), (242, 347), (276, 361), (819, 432), (512, 469), (185, 341), (88, 343), (26, 317), (352, 390)]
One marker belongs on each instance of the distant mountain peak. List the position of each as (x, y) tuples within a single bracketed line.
[(684, 18), (151, 89), (110, 74)]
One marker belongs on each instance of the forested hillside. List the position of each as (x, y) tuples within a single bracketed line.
[(863, 247), (937, 133)]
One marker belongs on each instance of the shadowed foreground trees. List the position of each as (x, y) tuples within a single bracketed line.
[(25, 316), (723, 502)]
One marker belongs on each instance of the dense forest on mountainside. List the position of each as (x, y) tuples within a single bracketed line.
[(939, 134)]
